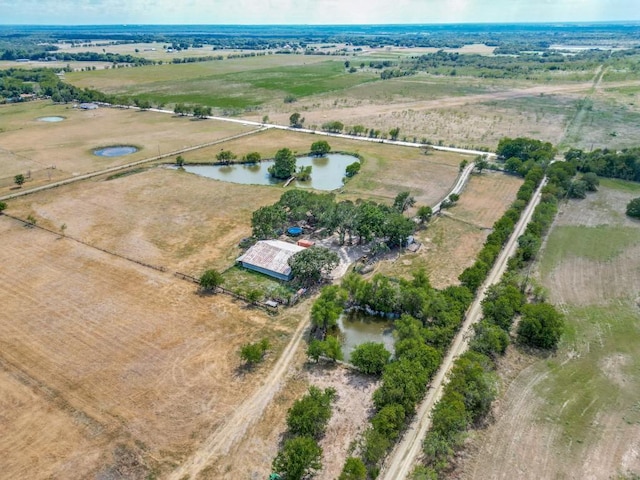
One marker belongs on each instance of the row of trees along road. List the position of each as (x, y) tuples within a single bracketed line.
[(471, 389)]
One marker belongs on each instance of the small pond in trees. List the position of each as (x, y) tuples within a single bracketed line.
[(327, 173), (356, 328), (116, 151), (50, 119)]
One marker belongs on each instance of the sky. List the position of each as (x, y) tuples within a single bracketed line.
[(93, 12)]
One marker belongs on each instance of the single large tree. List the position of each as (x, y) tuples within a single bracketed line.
[(299, 457), (541, 325), (210, 280), (370, 357), (284, 165), (296, 120), (19, 179), (403, 201), (311, 264), (320, 148)]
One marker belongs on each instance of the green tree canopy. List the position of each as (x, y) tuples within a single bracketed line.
[(354, 469), (541, 325), (370, 357), (210, 280), (320, 148), (311, 264), (284, 165), (299, 457), (633, 208), (309, 415), (296, 120), (353, 169), (403, 201), (267, 221)]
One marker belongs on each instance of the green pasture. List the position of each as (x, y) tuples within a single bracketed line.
[(595, 372), (237, 83), (599, 243)]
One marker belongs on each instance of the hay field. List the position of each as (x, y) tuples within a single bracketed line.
[(110, 369), (575, 413), (451, 242), (30, 145)]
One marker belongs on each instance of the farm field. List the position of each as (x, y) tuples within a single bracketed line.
[(575, 413), (451, 241), (68, 145), (108, 367)]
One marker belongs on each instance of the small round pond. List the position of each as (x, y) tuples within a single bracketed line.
[(327, 172), (117, 151), (53, 119), (357, 328)]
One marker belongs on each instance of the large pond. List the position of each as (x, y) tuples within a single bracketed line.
[(356, 328), (327, 172), (117, 151), (50, 119)]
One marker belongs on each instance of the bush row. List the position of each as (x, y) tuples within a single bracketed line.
[(468, 396), (307, 419)]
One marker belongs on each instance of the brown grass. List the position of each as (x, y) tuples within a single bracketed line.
[(97, 351), (162, 217), (29, 145)]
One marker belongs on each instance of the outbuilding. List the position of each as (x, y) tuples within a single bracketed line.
[(270, 257)]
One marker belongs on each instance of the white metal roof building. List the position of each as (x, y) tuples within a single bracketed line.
[(271, 258)]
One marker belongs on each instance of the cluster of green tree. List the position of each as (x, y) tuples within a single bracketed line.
[(199, 111), (522, 154), (428, 320), (205, 58), (396, 73), (624, 164), (443, 62), (300, 455), (364, 220)]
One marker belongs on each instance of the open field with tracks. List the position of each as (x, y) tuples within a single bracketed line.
[(575, 414), (108, 366)]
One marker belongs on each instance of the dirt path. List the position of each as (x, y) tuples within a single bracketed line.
[(229, 433), (401, 461)]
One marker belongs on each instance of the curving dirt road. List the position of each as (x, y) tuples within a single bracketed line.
[(401, 461)]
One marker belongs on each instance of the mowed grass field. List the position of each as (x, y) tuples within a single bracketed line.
[(451, 242), (575, 414), (52, 151), (109, 369)]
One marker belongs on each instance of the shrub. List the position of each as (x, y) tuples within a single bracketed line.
[(309, 415), (370, 357), (633, 208), (541, 326)]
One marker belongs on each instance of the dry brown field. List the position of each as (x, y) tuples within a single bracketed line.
[(451, 242), (111, 369), (30, 145), (162, 217), (574, 414)]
